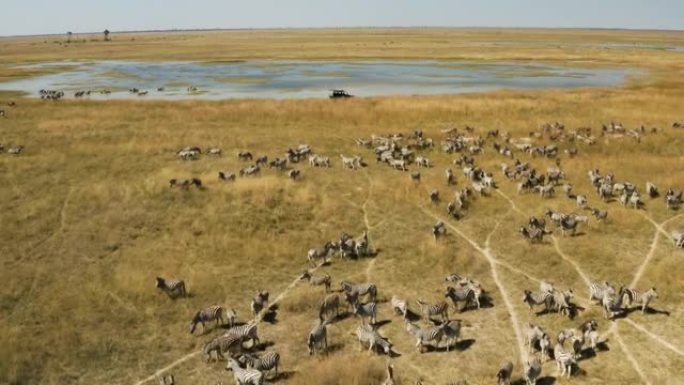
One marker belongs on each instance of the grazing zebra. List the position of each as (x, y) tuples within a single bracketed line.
[(245, 376), (581, 201), (166, 380), (244, 155), (424, 336), (597, 290), (319, 253), (318, 336), (533, 234), (211, 313), (452, 331), (504, 374), (532, 371), (568, 225), (214, 151), (439, 230), (415, 176), (466, 292), (434, 196), (368, 335), (226, 176), (348, 162), (534, 299), (561, 300), (363, 311), (429, 310), (422, 162), (399, 305), (259, 302), (398, 164), (564, 360), (221, 344), (269, 361), (601, 215), (360, 289), (293, 174), (248, 332), (330, 303), (545, 191), (631, 296), (651, 190), (317, 280), (533, 333), (567, 190), (390, 375), (278, 163), (589, 330), (173, 288), (678, 238)]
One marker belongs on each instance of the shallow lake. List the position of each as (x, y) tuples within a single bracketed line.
[(305, 79)]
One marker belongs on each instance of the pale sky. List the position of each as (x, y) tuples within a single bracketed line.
[(24, 17)]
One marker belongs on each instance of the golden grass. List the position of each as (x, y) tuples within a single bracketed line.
[(88, 220)]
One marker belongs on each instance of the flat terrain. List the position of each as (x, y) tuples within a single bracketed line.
[(88, 219)]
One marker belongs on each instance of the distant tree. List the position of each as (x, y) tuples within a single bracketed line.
[(69, 36), (106, 35)]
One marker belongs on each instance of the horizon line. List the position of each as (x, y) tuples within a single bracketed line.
[(176, 30)]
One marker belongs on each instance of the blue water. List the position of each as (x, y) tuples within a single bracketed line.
[(305, 79)]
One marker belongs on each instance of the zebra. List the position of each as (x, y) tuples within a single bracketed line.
[(581, 201), (678, 238), (390, 375), (317, 280), (532, 371), (248, 332), (244, 155), (561, 300), (564, 360), (318, 336), (601, 215), (278, 163), (348, 162), (533, 333), (568, 225), (439, 230), (533, 234), (221, 344), (630, 296), (259, 302), (214, 151), (330, 302), (428, 310), (450, 179), (452, 331), (597, 290), (262, 161), (504, 374), (269, 361), (252, 170), (424, 336), (293, 174), (319, 253), (368, 310), (434, 196), (415, 176), (173, 288), (399, 305), (422, 162), (466, 293), (589, 330), (367, 334), (211, 313), (534, 299), (184, 183), (245, 376), (360, 289), (611, 304), (166, 380), (651, 190), (226, 176)]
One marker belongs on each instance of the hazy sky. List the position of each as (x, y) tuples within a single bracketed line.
[(21, 17)]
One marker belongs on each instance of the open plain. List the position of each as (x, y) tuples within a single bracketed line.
[(88, 219)]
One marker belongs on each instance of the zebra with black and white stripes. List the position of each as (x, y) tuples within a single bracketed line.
[(248, 332), (267, 362), (533, 299), (317, 280), (564, 360), (632, 296), (363, 311), (429, 310), (259, 302), (211, 313), (532, 371), (330, 303), (318, 337), (244, 376), (360, 289), (174, 288), (368, 335), (597, 289), (466, 293), (451, 332), (425, 336), (222, 344), (612, 304)]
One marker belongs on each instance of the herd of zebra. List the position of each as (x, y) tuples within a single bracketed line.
[(438, 332)]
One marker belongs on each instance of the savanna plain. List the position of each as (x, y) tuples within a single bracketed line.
[(88, 220)]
